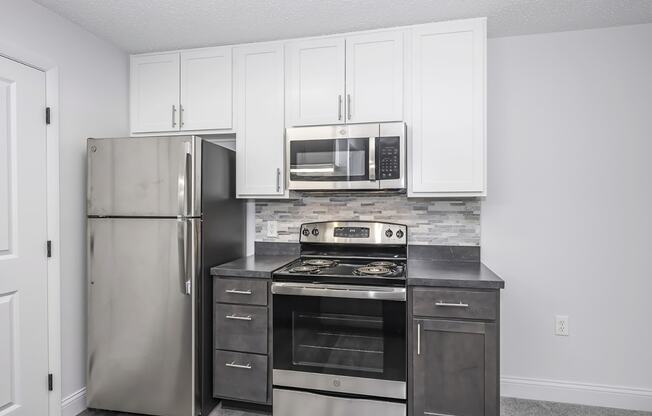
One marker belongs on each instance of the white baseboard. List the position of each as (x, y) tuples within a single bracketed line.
[(74, 404), (579, 393), (519, 387)]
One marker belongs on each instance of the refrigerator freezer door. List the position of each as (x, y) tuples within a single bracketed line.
[(144, 177), (140, 329)]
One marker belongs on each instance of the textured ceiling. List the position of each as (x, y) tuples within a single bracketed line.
[(152, 25)]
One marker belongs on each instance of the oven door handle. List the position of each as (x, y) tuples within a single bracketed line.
[(339, 291)]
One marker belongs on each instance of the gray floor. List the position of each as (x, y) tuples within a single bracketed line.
[(509, 407)]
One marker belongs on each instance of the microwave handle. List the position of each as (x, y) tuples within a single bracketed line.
[(372, 159)]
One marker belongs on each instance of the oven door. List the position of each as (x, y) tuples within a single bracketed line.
[(343, 339), (332, 157)]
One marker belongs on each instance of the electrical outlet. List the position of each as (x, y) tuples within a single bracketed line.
[(561, 325), (272, 229)]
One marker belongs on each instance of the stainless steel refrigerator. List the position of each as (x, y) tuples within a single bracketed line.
[(161, 212)]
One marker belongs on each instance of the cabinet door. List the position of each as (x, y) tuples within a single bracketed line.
[(154, 93), (206, 95), (454, 368), (315, 78), (259, 120), (448, 102), (374, 77)]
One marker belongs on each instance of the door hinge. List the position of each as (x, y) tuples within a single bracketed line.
[(49, 248), (50, 383), (47, 115)]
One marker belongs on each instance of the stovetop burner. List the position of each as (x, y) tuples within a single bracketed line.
[(319, 262), (383, 263), (304, 269), (373, 271)]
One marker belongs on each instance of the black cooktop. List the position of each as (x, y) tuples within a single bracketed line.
[(366, 271)]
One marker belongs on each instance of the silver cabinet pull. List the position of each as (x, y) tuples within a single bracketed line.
[(239, 318), (238, 292), (419, 339), (234, 365), (180, 115), (174, 115), (278, 179), (339, 107), (452, 305), (348, 106)]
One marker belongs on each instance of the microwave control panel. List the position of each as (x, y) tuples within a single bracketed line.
[(388, 158)]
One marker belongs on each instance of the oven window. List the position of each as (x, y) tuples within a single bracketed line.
[(338, 341), (352, 337), (330, 160)]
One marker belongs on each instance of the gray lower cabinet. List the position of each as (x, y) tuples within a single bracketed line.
[(241, 322), (455, 362)]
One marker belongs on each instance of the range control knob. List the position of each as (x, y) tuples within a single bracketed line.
[(389, 233), (315, 232), (399, 234), (305, 232)]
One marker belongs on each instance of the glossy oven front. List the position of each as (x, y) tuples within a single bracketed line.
[(341, 347)]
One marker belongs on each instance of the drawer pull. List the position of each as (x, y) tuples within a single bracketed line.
[(238, 292), (453, 305), (234, 365), (239, 318)]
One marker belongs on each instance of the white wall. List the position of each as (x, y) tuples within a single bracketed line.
[(568, 220), (93, 102)]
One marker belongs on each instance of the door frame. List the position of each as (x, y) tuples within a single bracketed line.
[(51, 70)]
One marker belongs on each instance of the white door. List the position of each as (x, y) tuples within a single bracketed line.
[(374, 77), (23, 268), (447, 150), (315, 82), (154, 93), (259, 120), (206, 95)]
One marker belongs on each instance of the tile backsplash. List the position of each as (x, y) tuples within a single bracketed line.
[(429, 221)]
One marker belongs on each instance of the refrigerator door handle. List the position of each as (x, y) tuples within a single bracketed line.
[(182, 240), (185, 182), (186, 259)]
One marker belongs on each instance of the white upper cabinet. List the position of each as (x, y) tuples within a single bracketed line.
[(374, 77), (315, 80), (259, 114), (356, 79), (206, 94), (181, 91), (447, 151), (154, 92)]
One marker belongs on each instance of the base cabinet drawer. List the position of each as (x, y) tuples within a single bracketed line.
[(242, 291), (455, 303), (240, 376), (240, 328)]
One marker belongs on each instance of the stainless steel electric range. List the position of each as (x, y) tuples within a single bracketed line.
[(339, 322)]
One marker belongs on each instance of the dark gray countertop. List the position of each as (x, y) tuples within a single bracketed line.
[(452, 274), (436, 273), (256, 265)]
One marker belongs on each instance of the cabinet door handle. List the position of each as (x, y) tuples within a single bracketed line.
[(181, 115), (174, 115), (239, 318), (339, 107), (278, 179), (418, 339), (234, 365), (238, 292), (348, 106), (452, 305)]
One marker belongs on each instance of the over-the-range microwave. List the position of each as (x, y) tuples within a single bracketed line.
[(346, 157)]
